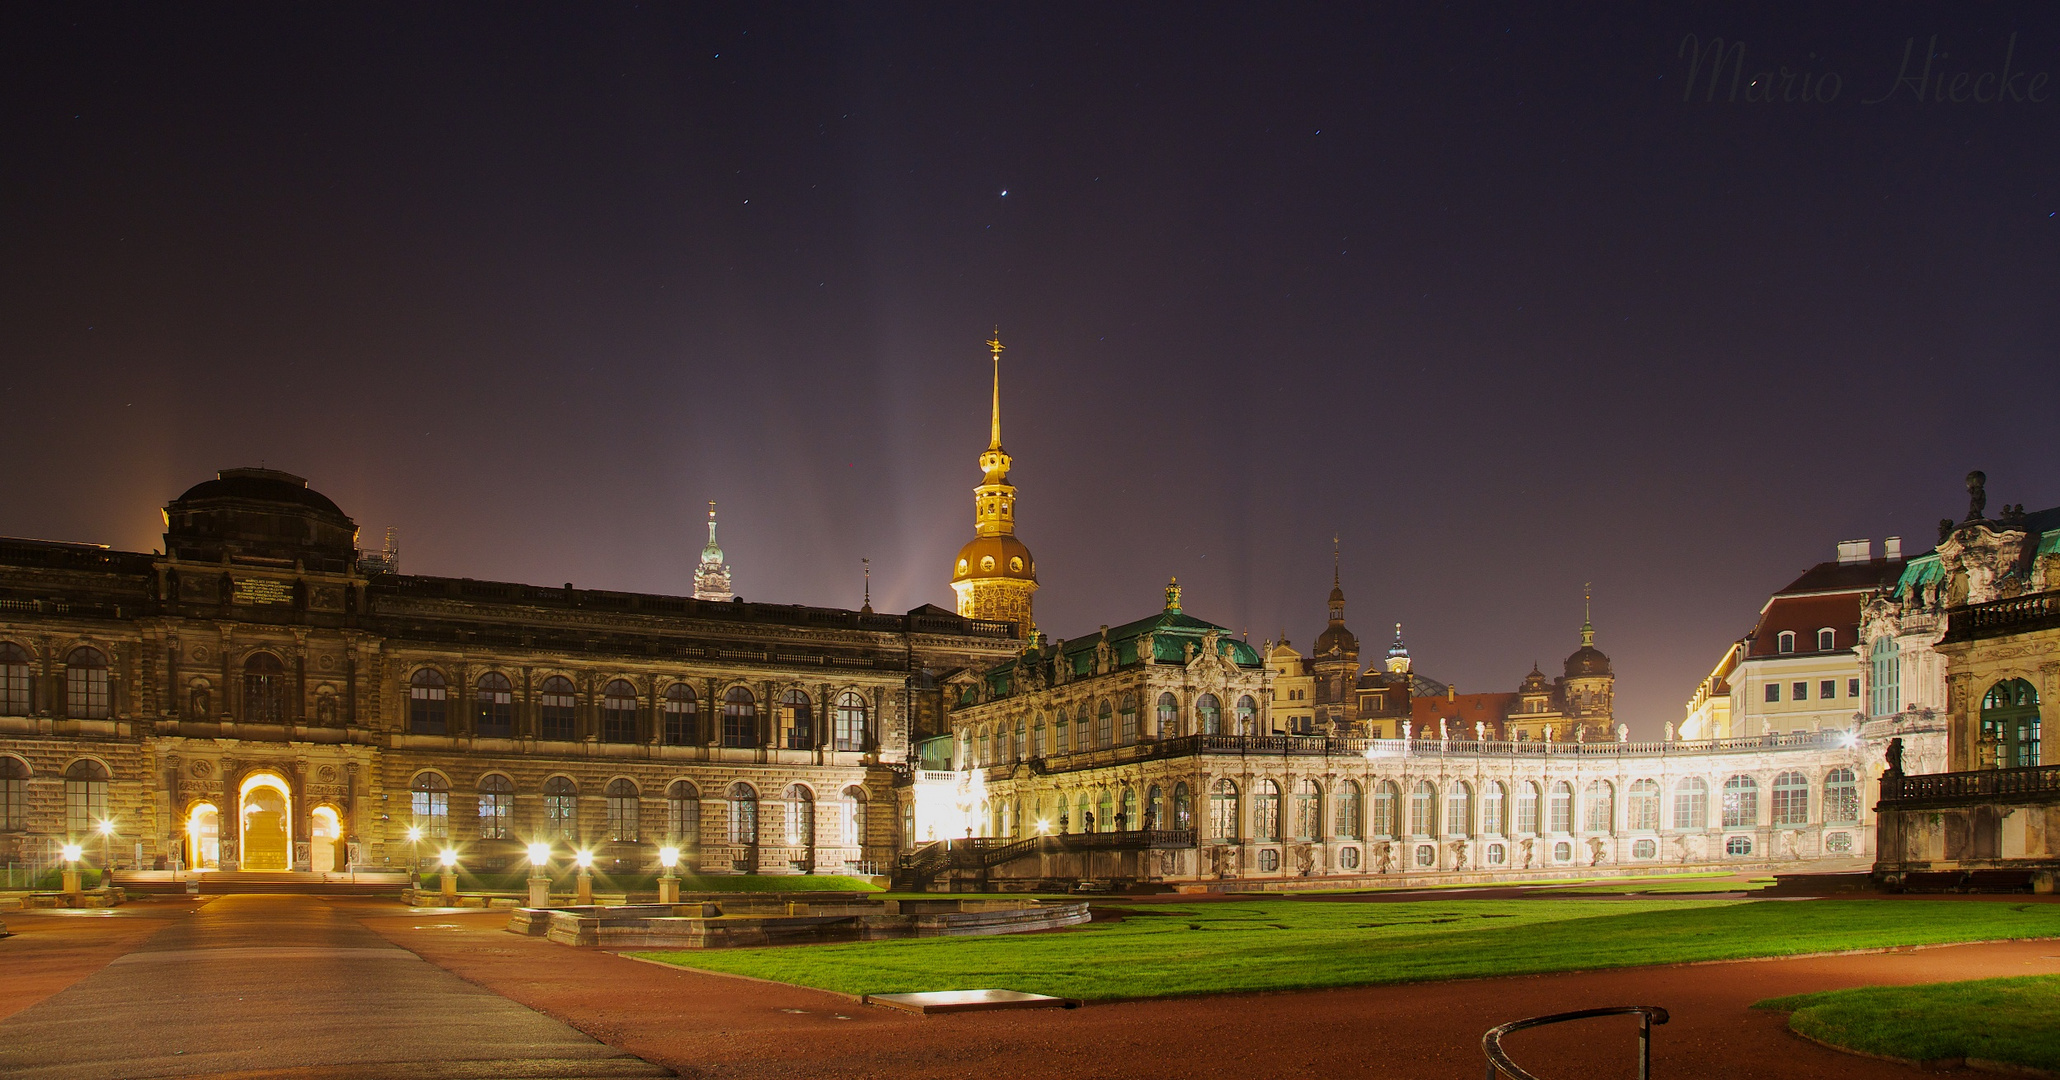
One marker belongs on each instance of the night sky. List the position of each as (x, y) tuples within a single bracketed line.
[(1473, 289)]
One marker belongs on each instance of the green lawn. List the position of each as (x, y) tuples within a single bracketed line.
[(1161, 950), (1659, 887), (2009, 1020)]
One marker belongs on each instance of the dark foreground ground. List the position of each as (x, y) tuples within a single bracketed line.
[(304, 987)]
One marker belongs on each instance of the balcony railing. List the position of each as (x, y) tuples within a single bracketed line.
[(2017, 614), (2027, 782)]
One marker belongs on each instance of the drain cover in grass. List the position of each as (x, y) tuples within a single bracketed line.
[(945, 1001)]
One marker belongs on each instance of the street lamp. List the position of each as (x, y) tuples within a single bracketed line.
[(586, 877), (72, 854), (539, 875), (449, 858), (414, 849), (669, 881), (106, 846)]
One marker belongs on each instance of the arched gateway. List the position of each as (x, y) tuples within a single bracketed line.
[(265, 811)]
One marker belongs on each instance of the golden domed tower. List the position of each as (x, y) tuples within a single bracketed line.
[(994, 575)]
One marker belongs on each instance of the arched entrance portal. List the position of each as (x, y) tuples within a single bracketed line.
[(267, 804), (204, 837), (326, 836)]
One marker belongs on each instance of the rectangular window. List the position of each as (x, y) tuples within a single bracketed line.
[(1527, 810), (14, 686), (493, 815), (1773, 691), (85, 806), (622, 818), (1827, 689), (557, 715), (433, 813), (14, 803), (683, 821), (1799, 692), (561, 817), (1852, 688)]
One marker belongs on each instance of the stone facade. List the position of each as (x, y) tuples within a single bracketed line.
[(168, 694)]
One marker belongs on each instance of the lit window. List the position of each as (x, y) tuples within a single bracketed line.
[(1169, 716), (850, 722), (1644, 809), (624, 810), (431, 799), (1841, 797), (1308, 810), (1791, 799), (797, 720), (800, 817), (1345, 817), (1209, 714), (1741, 803), (1265, 810), (1223, 810), (743, 815), (561, 809), (496, 806)]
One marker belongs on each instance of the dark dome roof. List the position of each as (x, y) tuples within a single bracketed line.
[(1587, 662), (260, 485), (1336, 635)]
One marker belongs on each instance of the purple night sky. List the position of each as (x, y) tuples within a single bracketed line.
[(1474, 289)]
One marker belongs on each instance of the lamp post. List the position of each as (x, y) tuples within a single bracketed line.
[(539, 875), (669, 880), (586, 878), (72, 854), (106, 849), (449, 858)]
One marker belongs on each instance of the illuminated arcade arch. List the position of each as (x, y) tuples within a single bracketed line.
[(264, 817)]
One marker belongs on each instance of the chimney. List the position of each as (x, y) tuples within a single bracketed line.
[(1892, 548), (1855, 551)]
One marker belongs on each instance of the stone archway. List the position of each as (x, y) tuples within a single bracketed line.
[(264, 819), (204, 837), (325, 839)]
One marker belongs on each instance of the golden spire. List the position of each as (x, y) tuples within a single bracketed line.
[(994, 345)]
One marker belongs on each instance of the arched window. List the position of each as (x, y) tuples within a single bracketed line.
[(1827, 640), (1599, 810), (1247, 716), (850, 733), (1494, 809), (1562, 807), (797, 721), (427, 696), (494, 708), (1209, 714), (1105, 812), (1459, 810), (1526, 809), (1127, 822), (683, 814), (1345, 816), (1384, 799), (2010, 723), (1741, 802), (1885, 677), (682, 715), (264, 689), (14, 794), (557, 709), (1037, 744), (14, 680), (85, 684), (496, 806), (1169, 716), (1308, 810), (1791, 799), (1060, 734), (1785, 641), (1128, 712), (625, 811), (1183, 807), (1105, 725), (985, 754), (1022, 747), (1423, 809), (431, 797), (1155, 807), (800, 816), (85, 797), (854, 817), (1691, 803), (561, 809), (740, 729), (1644, 808), (1841, 797), (1223, 810), (743, 815), (619, 712)]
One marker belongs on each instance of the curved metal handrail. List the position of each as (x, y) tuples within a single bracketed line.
[(1499, 1063)]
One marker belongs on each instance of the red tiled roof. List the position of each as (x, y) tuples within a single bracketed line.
[(1461, 708), (1805, 615)]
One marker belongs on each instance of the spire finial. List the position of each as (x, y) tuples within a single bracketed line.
[(1587, 615), (994, 345), (1334, 558), (1173, 595), (868, 607)]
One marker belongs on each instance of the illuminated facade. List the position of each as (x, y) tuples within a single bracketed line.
[(257, 698)]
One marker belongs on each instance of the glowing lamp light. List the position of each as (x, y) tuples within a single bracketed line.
[(74, 852), (414, 835), (1849, 739), (1043, 826), (107, 828), (668, 857), (585, 859), (539, 854), (449, 858)]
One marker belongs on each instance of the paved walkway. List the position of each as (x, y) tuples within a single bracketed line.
[(288, 986)]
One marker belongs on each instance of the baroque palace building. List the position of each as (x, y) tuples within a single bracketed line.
[(261, 695)]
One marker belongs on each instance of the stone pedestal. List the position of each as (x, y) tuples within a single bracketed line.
[(539, 891), (668, 889), (450, 888), (586, 888), (71, 885)]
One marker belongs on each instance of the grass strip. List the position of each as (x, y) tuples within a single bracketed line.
[(1163, 950), (2008, 1020)]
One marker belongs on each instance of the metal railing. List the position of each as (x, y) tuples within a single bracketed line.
[(1500, 1065)]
